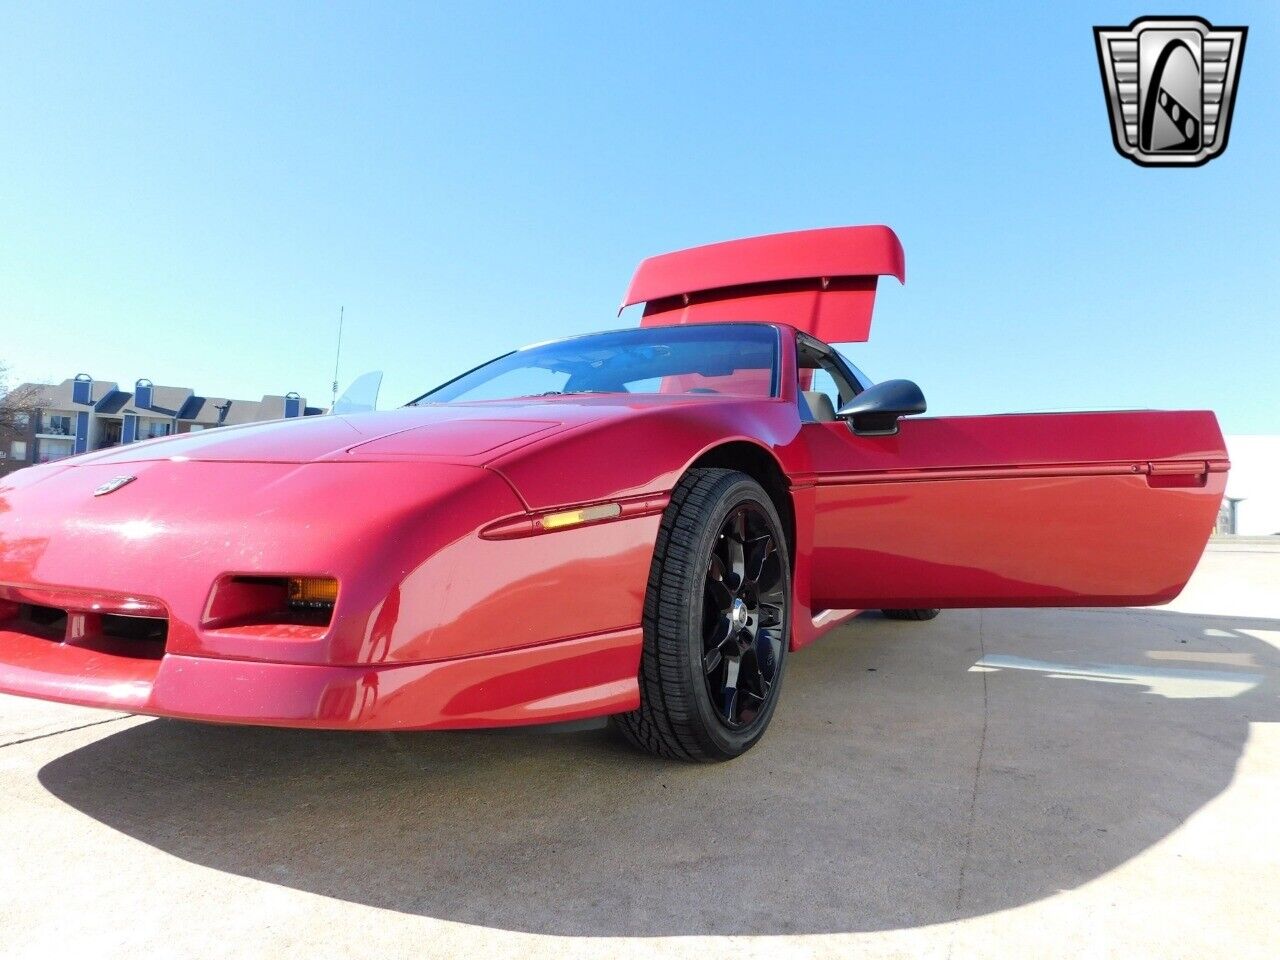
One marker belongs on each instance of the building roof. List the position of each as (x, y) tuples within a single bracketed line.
[(179, 403), (244, 411), (206, 411), (114, 402), (165, 402), (273, 406), (58, 396)]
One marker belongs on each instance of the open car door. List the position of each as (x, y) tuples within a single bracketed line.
[(1075, 509)]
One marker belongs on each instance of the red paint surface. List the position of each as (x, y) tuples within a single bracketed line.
[(456, 609), (821, 281), (560, 681)]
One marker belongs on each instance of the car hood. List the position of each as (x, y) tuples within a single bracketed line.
[(458, 433), (430, 433)]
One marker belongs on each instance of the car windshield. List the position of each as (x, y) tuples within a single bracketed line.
[(728, 358)]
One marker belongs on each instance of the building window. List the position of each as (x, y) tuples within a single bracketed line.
[(57, 425), (18, 450), (22, 420), (49, 450), (151, 429)]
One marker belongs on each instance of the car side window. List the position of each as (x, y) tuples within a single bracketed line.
[(824, 385), (824, 382)]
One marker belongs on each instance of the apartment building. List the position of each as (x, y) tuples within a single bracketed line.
[(53, 421)]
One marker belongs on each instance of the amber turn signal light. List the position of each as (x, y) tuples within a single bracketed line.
[(312, 593), (571, 518)]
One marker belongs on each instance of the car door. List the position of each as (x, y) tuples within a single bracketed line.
[(1065, 509)]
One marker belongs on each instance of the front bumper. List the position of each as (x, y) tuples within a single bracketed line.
[(565, 680)]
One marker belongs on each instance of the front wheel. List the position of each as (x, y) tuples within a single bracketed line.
[(717, 621)]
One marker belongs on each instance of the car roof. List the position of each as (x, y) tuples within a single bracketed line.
[(682, 326)]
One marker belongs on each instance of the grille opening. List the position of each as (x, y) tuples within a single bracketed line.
[(116, 634), (45, 621), (151, 629), (45, 616), (138, 637)]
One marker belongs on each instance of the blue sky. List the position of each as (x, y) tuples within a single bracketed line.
[(190, 194)]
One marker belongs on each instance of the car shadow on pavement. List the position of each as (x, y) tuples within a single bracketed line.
[(900, 785)]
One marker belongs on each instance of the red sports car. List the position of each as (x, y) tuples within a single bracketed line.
[(644, 523)]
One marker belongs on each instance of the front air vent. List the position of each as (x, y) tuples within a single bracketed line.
[(147, 629), (46, 621), (124, 636), (253, 601)]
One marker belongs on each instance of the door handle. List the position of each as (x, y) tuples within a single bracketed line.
[(1178, 473)]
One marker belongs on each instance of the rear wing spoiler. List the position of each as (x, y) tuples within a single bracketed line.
[(819, 281)]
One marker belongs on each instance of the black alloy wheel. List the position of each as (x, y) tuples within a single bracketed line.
[(717, 621), (744, 608)]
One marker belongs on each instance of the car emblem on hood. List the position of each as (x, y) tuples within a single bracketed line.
[(112, 485)]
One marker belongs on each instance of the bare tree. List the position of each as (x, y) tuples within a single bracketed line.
[(17, 407)]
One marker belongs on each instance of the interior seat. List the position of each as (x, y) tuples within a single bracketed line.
[(820, 406)]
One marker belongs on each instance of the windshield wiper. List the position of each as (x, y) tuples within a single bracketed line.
[(560, 393)]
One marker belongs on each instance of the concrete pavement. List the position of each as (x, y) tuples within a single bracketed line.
[(993, 783)]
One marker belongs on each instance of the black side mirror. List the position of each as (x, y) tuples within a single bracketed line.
[(875, 411)]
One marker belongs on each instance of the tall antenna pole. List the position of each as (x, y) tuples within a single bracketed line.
[(337, 359)]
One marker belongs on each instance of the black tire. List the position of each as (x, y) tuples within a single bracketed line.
[(922, 613), (677, 717)]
